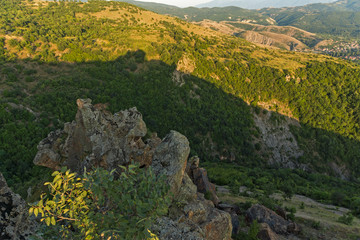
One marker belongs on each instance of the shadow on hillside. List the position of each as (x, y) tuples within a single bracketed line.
[(218, 125)]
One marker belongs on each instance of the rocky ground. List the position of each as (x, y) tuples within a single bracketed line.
[(316, 220)]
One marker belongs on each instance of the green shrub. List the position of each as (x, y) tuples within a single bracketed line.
[(252, 233), (315, 224), (346, 219), (102, 204)]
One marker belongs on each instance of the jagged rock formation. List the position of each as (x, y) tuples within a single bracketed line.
[(99, 139), (14, 217), (201, 180)]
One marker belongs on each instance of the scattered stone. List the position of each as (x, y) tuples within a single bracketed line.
[(242, 189), (222, 190)]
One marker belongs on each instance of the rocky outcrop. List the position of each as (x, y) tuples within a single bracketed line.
[(99, 139), (277, 138), (14, 217), (191, 216), (278, 224), (201, 180)]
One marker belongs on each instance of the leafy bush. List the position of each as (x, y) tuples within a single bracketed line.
[(102, 204), (346, 219), (315, 224), (252, 233), (291, 215)]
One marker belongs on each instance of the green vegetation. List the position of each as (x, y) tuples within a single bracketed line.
[(264, 182), (102, 204), (180, 77), (252, 233), (198, 14), (346, 219), (338, 23)]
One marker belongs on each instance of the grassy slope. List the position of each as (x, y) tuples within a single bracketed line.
[(317, 220)]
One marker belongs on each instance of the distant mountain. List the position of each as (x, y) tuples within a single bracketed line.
[(257, 4)]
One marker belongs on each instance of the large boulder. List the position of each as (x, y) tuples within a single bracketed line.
[(14, 216), (277, 223), (97, 138)]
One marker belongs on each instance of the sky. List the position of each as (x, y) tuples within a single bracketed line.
[(181, 3)]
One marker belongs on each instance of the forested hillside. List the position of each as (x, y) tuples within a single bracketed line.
[(180, 76)]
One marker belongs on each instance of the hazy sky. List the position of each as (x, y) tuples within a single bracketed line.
[(181, 3)]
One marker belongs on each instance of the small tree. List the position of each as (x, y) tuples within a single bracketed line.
[(99, 205)]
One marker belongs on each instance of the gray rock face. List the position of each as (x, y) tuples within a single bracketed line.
[(97, 138), (278, 224), (14, 220), (166, 228), (192, 216), (277, 137), (170, 158)]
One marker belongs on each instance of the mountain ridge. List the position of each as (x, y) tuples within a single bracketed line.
[(258, 4)]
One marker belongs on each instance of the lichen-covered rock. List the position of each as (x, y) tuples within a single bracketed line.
[(190, 209), (278, 224), (168, 229), (218, 226), (170, 158), (97, 138), (14, 216)]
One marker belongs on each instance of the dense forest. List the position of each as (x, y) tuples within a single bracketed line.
[(180, 76)]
